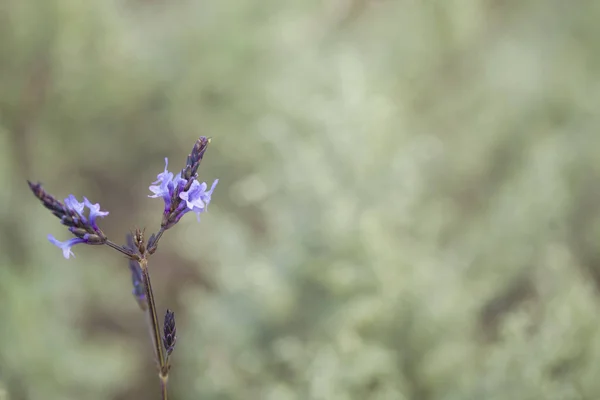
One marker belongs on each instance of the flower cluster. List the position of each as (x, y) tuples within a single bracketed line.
[(183, 193), (179, 196), (71, 213)]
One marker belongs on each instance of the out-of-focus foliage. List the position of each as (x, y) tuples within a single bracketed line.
[(408, 204)]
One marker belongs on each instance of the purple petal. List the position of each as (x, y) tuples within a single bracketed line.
[(157, 190), (213, 186), (208, 194), (193, 197), (66, 245), (197, 197), (164, 180), (94, 212), (165, 175), (74, 205), (179, 182)]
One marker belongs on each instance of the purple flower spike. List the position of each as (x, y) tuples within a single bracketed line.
[(183, 193), (71, 214), (66, 245)]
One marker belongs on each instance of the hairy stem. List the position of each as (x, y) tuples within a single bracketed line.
[(154, 324)]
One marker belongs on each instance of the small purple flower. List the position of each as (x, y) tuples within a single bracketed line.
[(197, 197), (171, 189), (160, 187), (66, 245), (73, 205), (166, 184), (77, 207), (84, 228), (94, 212)]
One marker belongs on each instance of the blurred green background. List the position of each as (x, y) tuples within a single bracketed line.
[(408, 206)]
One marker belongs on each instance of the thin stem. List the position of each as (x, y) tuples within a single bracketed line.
[(159, 234), (120, 249), (155, 327), (163, 386)]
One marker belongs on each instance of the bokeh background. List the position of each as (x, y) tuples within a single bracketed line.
[(408, 206)]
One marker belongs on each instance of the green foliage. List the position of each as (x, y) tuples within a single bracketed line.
[(407, 206)]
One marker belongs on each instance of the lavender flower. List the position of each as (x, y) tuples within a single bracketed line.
[(170, 332), (197, 197), (66, 245), (167, 186), (72, 203), (94, 213), (183, 193), (71, 214)]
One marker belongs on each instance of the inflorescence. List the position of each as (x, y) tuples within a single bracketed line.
[(182, 193)]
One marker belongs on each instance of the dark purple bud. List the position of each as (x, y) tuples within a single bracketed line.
[(195, 157), (91, 238), (47, 200), (170, 332), (137, 279), (79, 232), (151, 241), (130, 243), (138, 239)]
